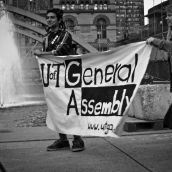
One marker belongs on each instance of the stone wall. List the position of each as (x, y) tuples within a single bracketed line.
[(151, 102)]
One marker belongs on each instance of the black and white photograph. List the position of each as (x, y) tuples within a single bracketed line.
[(85, 85)]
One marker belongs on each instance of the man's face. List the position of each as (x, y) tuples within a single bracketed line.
[(52, 20), (169, 19)]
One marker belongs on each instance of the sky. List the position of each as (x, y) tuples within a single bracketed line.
[(149, 4)]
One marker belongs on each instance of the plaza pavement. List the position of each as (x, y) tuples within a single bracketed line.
[(23, 149)]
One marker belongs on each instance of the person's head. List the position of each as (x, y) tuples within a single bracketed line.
[(169, 14), (54, 18)]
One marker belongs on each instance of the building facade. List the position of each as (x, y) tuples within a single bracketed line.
[(157, 20), (102, 23), (93, 21), (129, 17)]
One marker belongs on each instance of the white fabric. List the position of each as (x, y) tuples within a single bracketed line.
[(89, 94)]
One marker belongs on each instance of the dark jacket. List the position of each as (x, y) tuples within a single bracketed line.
[(60, 41), (166, 46)]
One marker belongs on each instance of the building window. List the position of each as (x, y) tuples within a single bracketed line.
[(101, 7), (87, 6), (105, 6), (73, 6), (95, 6), (67, 6), (63, 7), (81, 6), (101, 28)]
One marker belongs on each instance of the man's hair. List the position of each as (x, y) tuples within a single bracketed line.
[(58, 12), (169, 8)]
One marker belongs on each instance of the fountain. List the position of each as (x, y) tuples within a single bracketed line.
[(20, 103), (12, 87), (10, 66)]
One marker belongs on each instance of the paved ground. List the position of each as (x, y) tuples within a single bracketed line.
[(23, 149)]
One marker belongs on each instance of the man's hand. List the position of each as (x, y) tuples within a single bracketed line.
[(150, 40), (38, 52)]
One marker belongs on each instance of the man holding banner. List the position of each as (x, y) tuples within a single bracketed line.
[(91, 92), (167, 46), (58, 42)]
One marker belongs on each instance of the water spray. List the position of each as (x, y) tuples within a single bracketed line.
[(12, 84), (10, 62), (2, 9)]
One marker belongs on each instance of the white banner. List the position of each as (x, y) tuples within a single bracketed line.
[(89, 94)]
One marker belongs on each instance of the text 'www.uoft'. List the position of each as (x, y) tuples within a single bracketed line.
[(104, 127)]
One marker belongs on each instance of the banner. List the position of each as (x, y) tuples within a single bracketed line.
[(89, 94)]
